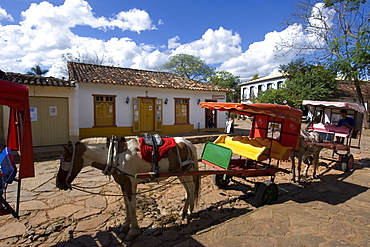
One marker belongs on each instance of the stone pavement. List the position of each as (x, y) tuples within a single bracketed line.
[(333, 211), (330, 211)]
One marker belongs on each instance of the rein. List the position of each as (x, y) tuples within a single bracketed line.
[(112, 166), (80, 188)]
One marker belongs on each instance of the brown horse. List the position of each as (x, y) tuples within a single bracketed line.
[(95, 152), (307, 153)]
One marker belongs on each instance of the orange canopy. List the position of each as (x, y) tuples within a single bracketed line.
[(20, 133), (279, 111)]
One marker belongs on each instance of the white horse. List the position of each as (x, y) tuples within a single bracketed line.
[(95, 152), (308, 153)]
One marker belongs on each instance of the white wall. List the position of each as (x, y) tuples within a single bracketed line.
[(124, 111), (245, 89)]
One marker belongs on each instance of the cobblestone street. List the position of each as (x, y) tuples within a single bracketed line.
[(329, 211)]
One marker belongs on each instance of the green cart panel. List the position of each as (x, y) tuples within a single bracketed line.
[(217, 154)]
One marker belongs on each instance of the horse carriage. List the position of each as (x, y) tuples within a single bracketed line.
[(325, 119), (274, 135)]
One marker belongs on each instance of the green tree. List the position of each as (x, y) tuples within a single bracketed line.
[(88, 57), (304, 81), (255, 77), (188, 66), (227, 79), (37, 71), (277, 96), (339, 32)]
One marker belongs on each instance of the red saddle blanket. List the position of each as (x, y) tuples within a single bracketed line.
[(146, 151)]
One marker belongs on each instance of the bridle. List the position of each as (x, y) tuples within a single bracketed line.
[(110, 167), (68, 166)]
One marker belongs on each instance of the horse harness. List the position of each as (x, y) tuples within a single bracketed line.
[(154, 141), (68, 165), (111, 165), (112, 159)]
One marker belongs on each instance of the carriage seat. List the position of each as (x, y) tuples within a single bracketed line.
[(243, 146), (254, 148), (341, 131), (275, 150)]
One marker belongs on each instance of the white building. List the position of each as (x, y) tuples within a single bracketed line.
[(250, 89), (105, 101)]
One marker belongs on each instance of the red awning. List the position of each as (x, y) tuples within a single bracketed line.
[(279, 111), (20, 133)]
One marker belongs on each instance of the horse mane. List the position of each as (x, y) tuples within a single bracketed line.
[(94, 140), (311, 136), (133, 143)]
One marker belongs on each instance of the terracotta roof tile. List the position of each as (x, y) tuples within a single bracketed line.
[(349, 90), (33, 80), (89, 73)]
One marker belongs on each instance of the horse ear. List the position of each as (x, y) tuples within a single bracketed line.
[(122, 144), (69, 146), (67, 149)]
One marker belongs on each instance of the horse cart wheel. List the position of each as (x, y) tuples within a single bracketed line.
[(266, 193), (221, 180), (348, 162)]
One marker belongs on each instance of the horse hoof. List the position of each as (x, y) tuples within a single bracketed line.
[(124, 229), (130, 237), (132, 234), (188, 219)]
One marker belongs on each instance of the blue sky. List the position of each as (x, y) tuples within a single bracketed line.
[(238, 36)]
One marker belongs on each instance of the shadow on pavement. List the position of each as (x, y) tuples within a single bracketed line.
[(332, 189), (162, 236)]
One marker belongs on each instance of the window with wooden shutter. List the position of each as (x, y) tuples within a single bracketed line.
[(158, 114), (104, 110), (136, 115), (181, 111)]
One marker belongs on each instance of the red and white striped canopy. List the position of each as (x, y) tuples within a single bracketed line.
[(330, 104)]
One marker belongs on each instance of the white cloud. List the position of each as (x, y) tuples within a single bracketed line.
[(4, 15), (215, 46), (46, 33), (134, 20), (262, 57), (172, 43), (78, 12), (321, 16)]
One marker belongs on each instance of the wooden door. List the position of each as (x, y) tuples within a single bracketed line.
[(147, 111), (211, 117), (49, 121)]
